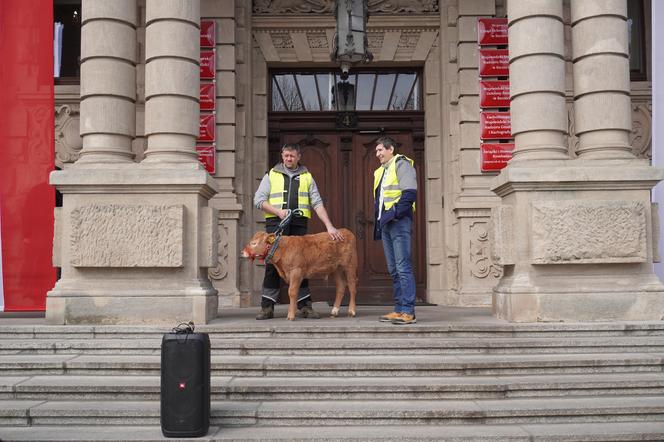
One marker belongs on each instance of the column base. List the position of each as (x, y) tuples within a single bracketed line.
[(603, 298), (134, 246), (137, 306), (575, 239)]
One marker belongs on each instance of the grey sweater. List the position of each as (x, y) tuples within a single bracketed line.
[(263, 192)]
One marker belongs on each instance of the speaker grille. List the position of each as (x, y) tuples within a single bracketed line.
[(185, 384)]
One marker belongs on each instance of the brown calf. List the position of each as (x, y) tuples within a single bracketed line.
[(300, 257)]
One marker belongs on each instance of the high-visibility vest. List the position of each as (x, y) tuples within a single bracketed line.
[(279, 197), (390, 186)]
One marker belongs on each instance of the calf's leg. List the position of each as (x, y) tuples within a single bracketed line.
[(293, 288), (341, 288), (351, 278)]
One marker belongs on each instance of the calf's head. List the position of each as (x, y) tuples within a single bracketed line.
[(258, 246)]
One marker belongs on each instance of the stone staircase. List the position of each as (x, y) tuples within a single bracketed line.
[(458, 374)]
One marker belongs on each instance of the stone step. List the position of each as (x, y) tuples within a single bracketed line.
[(143, 388), (347, 366), (621, 431), (347, 412), (331, 329), (270, 346)]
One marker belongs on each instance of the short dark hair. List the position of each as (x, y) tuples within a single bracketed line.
[(387, 143), (291, 146)]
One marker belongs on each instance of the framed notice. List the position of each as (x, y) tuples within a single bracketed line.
[(207, 155), (494, 93), (208, 33), (208, 96), (495, 125), (206, 127), (208, 65), (494, 156), (492, 31), (494, 63)]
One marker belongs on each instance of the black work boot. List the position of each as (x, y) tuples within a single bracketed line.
[(266, 313), (308, 311)]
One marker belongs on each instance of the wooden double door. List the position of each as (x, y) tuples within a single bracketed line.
[(342, 166)]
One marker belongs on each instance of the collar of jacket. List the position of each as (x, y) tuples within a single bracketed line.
[(290, 172)]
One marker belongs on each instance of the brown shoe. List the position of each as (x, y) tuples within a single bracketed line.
[(404, 318), (388, 317), (266, 313), (308, 312)]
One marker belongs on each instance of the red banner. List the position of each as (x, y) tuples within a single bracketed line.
[(208, 65), (208, 33), (207, 155), (492, 31), (494, 63), (494, 156), (26, 154), (206, 127), (494, 93), (208, 96), (495, 125)]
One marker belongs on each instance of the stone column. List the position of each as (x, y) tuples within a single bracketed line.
[(575, 236), (108, 81), (172, 74), (600, 52), (537, 79), (135, 241)]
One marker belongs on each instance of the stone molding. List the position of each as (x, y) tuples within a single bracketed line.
[(578, 174), (588, 232), (68, 141), (654, 213), (641, 134), (502, 228), (481, 265), (209, 238), (120, 235), (297, 7), (285, 40), (220, 270)]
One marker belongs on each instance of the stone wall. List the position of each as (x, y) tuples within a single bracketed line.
[(460, 267)]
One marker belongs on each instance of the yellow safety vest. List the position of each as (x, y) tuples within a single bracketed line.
[(390, 187), (278, 197)]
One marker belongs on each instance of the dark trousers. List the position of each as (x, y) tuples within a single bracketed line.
[(272, 281)]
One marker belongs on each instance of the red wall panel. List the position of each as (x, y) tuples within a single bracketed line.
[(26, 152)]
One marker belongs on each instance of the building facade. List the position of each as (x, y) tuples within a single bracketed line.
[(565, 231)]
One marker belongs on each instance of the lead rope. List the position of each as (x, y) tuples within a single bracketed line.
[(280, 230)]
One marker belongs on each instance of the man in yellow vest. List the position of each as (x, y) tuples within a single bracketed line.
[(395, 191), (289, 185)]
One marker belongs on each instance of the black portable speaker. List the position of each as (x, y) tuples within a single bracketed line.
[(185, 383)]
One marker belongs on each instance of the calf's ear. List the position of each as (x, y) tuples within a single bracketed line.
[(270, 238)]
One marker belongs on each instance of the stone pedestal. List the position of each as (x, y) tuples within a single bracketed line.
[(575, 238), (225, 274), (135, 247)]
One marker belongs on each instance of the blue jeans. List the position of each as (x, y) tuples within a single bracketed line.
[(397, 245)]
